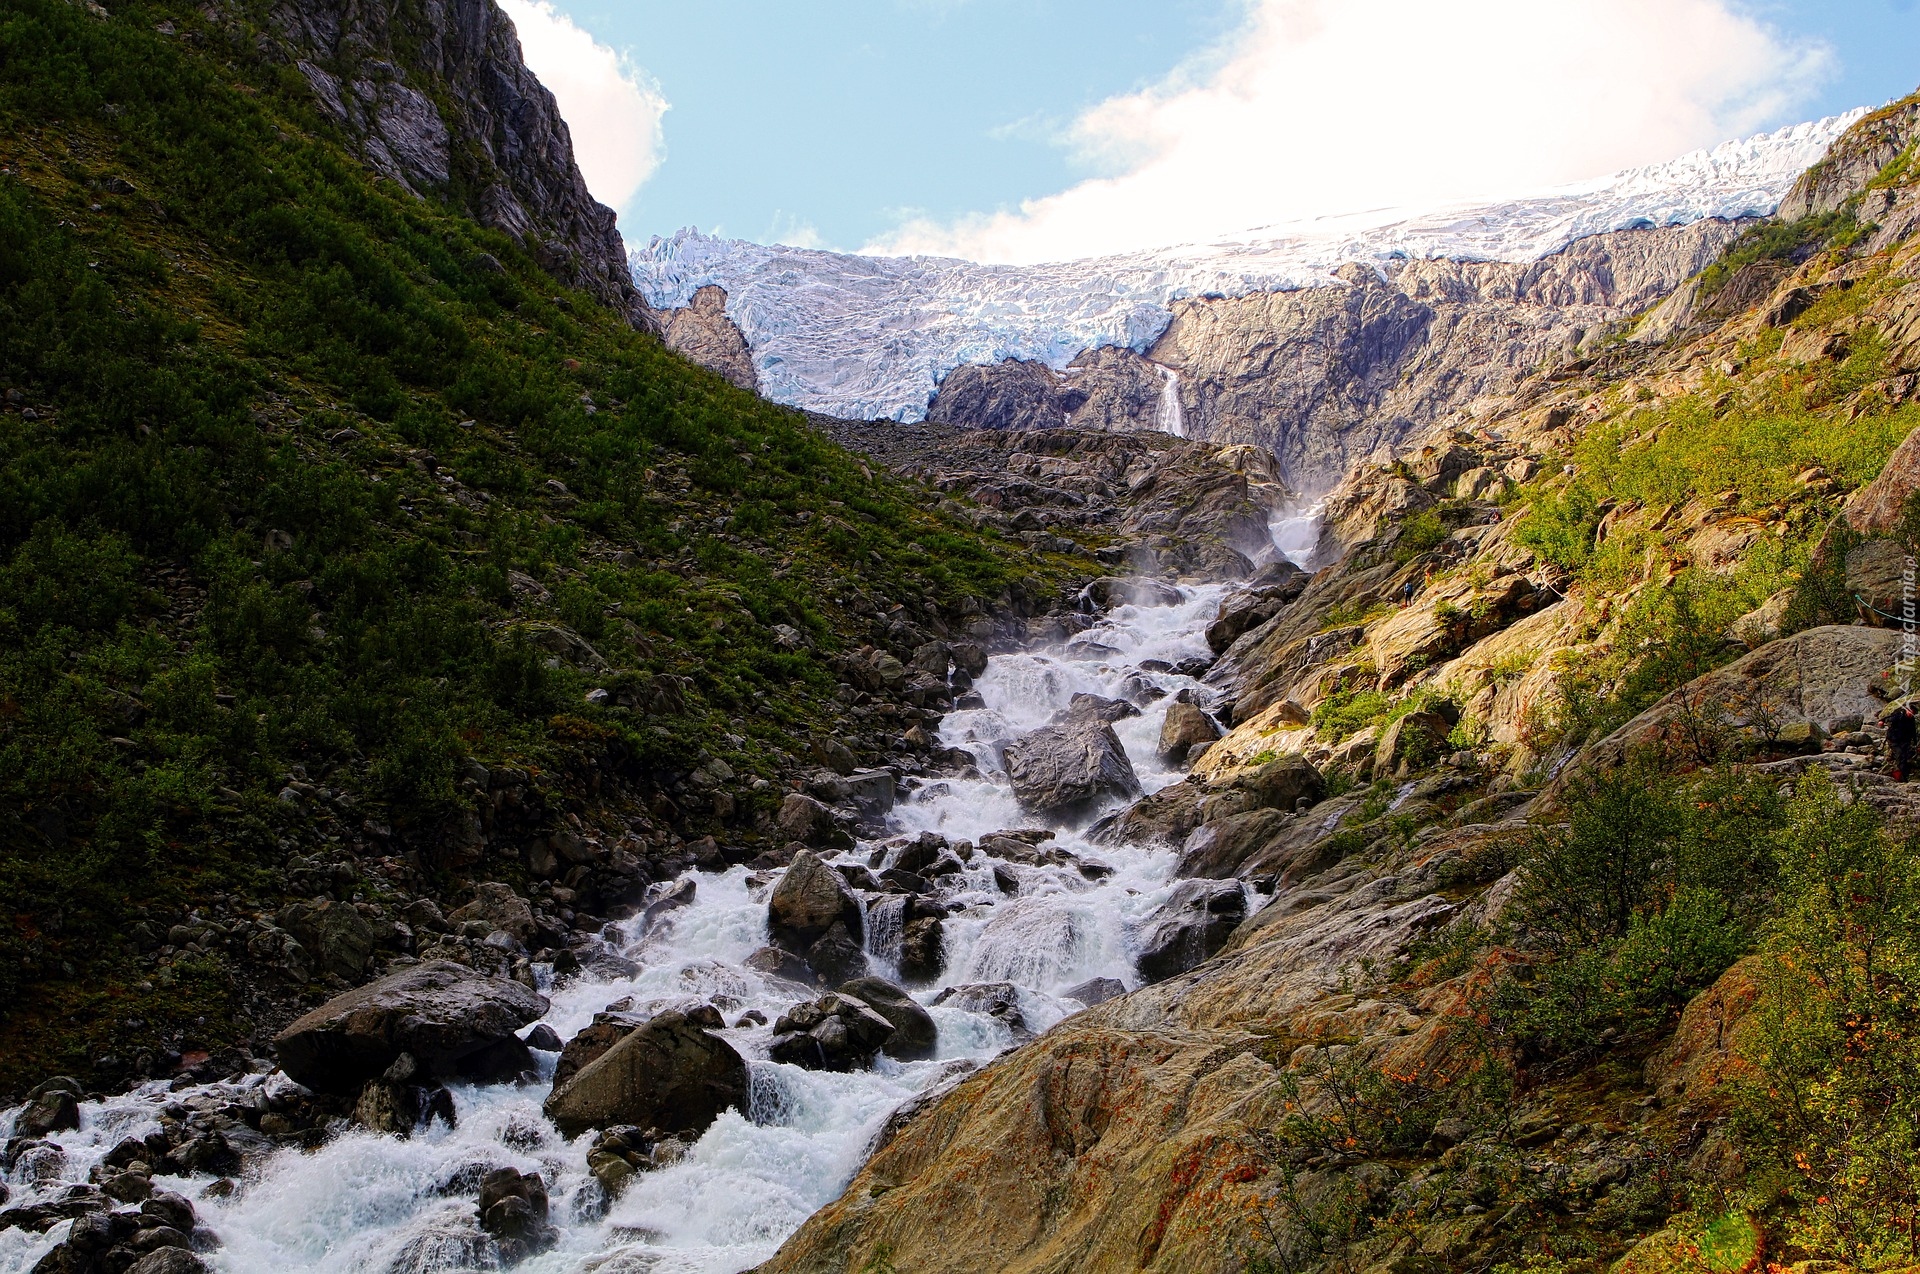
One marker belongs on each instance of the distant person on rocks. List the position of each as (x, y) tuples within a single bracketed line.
[(1407, 590), (1901, 733)]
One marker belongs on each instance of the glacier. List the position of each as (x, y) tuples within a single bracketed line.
[(869, 337)]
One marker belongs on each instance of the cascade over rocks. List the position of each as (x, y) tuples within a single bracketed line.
[(1067, 771), (1190, 928), (672, 1074), (451, 1020), (914, 1034), (832, 1033)]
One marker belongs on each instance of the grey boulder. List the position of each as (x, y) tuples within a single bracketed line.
[(453, 1021)]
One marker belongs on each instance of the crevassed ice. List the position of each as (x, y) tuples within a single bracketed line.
[(871, 337)]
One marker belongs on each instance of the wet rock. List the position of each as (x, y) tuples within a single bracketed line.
[(673, 1074), (620, 1153), (914, 1034), (52, 1106), (1086, 707), (513, 1209), (1190, 927), (997, 1000), (923, 949), (1109, 591), (871, 792), (669, 897), (834, 1033), (587, 1045), (74, 1201), (1217, 850), (1095, 991), (810, 900), (542, 1039), (501, 909), (1243, 612), (837, 955), (806, 820), (172, 1210), (1186, 725), (1067, 771), (453, 1021), (168, 1260), (779, 963)]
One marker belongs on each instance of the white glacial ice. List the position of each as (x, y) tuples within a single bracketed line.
[(871, 337)]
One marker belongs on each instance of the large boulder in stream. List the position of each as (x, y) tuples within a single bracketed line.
[(832, 1033), (813, 914), (452, 1021), (1186, 724), (1190, 928), (673, 1075), (1067, 770), (914, 1034)]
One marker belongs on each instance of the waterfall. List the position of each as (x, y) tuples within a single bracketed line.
[(1169, 418)]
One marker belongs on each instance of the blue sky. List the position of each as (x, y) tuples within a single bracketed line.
[(928, 123)]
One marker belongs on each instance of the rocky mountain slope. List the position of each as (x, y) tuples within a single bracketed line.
[(1568, 785), (356, 550)]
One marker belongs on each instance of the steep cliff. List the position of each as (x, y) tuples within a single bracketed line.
[(1324, 376), (436, 96)]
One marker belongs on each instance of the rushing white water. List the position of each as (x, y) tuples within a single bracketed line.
[(1295, 530), (371, 1204)]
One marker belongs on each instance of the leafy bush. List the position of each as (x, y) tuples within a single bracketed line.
[(1421, 533)]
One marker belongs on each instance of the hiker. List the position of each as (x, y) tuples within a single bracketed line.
[(1407, 591), (1901, 733)]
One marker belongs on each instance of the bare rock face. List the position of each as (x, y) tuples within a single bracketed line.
[(1324, 376), (1016, 394), (1191, 927), (673, 1074), (451, 1020), (436, 97), (702, 332), (1875, 508), (1067, 771), (1854, 160)]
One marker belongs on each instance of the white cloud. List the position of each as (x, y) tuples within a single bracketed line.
[(612, 108), (1319, 107)]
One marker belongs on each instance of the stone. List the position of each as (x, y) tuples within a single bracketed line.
[(803, 819), (833, 1033), (1068, 771), (455, 1023), (1086, 707), (1095, 991), (673, 1074), (779, 963), (513, 1208), (590, 1043), (1186, 727), (923, 948), (48, 1110), (336, 936), (1216, 850), (702, 332), (837, 955), (810, 900), (501, 908), (1190, 927), (871, 792), (1414, 742), (168, 1260), (1877, 576), (835, 755), (542, 1039), (914, 1034)]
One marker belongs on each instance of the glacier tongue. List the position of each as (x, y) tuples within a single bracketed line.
[(871, 337)]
